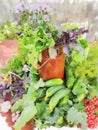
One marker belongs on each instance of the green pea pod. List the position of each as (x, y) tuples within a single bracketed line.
[(57, 97), (53, 82)]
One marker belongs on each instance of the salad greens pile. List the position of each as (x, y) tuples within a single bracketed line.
[(50, 105), (55, 102), (31, 44)]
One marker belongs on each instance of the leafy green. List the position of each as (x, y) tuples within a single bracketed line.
[(83, 42), (81, 73), (93, 90), (80, 117), (17, 106), (39, 84), (89, 68), (84, 72), (70, 77), (77, 57), (27, 107), (33, 43), (42, 110), (68, 26), (8, 30), (52, 119), (35, 35), (27, 114), (79, 87), (79, 106), (30, 47)]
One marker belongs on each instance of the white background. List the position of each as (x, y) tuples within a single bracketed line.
[(3, 126)]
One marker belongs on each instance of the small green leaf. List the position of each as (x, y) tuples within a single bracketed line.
[(42, 111), (68, 26), (39, 84), (17, 106), (79, 106)]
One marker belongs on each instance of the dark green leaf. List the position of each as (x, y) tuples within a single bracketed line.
[(42, 111)]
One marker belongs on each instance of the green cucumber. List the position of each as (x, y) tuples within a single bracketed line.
[(50, 91), (69, 78), (77, 87), (57, 97), (64, 100), (53, 82)]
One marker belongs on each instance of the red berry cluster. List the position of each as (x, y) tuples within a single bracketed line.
[(91, 107)]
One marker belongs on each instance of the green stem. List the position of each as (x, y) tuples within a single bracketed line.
[(16, 75)]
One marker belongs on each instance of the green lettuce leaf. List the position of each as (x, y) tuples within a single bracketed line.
[(27, 114), (79, 117)]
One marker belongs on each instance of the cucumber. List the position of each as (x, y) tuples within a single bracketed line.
[(77, 87), (50, 91), (69, 78), (64, 100), (57, 97), (53, 82)]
